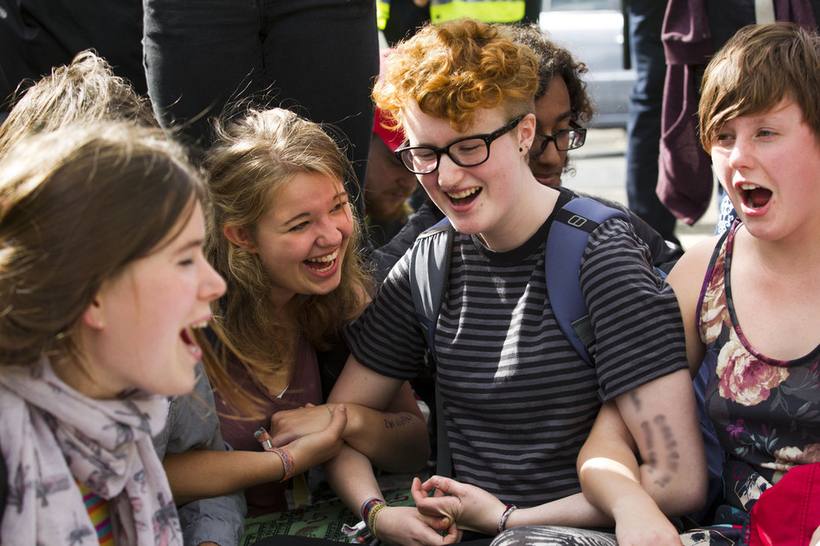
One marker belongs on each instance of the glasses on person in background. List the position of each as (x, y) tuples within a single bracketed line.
[(568, 139), (465, 152)]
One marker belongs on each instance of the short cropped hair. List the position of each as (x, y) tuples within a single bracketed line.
[(456, 68), (756, 69)]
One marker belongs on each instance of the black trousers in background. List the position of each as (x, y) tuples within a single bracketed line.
[(318, 58)]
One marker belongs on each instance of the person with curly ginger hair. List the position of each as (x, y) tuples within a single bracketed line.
[(518, 400)]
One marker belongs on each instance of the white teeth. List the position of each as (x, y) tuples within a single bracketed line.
[(199, 325), (328, 258), (747, 187), (462, 194)]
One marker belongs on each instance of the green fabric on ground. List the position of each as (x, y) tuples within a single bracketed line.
[(322, 520)]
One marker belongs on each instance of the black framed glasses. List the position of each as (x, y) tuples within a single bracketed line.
[(568, 139), (465, 152)]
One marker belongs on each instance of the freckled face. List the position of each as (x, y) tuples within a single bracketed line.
[(303, 237), (484, 198), (552, 114), (769, 164)]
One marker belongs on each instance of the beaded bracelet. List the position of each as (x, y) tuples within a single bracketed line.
[(369, 510), (502, 524), (287, 463)]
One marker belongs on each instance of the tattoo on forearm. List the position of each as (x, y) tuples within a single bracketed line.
[(669, 445), (398, 420), (636, 400)]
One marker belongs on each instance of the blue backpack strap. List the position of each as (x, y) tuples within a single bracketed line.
[(566, 242), (429, 273)]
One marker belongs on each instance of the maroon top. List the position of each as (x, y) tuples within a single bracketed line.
[(304, 387)]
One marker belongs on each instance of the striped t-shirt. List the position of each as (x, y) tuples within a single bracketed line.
[(519, 401)]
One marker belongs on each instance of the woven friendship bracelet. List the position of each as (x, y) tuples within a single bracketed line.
[(287, 463), (502, 524), (367, 506), (371, 517), (370, 508)]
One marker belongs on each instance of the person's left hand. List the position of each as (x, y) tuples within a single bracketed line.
[(447, 501), (289, 425)]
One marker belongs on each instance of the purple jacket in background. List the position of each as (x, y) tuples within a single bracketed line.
[(685, 171)]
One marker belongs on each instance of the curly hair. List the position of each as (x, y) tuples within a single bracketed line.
[(756, 69), (554, 60), (79, 204), (253, 157), (456, 68)]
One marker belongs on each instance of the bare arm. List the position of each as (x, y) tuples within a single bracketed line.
[(395, 440), (445, 500), (608, 468), (351, 477), (662, 418), (350, 474), (230, 471), (611, 478)]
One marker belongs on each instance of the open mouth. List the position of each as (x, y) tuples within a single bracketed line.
[(464, 197), (754, 196), (187, 335), (323, 264)]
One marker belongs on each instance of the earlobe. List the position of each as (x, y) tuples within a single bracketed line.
[(239, 236), (526, 132), (93, 315)]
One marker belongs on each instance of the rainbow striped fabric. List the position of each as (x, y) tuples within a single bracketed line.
[(98, 511)]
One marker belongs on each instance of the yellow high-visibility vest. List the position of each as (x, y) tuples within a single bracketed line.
[(489, 11), (382, 13)]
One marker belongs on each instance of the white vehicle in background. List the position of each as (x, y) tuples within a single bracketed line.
[(593, 30)]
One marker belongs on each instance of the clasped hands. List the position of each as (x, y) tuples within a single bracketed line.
[(452, 507)]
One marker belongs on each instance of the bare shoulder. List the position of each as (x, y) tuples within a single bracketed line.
[(686, 279), (689, 271)]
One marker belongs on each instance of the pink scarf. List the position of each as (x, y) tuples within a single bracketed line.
[(52, 435)]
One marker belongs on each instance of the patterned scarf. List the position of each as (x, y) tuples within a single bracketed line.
[(51, 434)]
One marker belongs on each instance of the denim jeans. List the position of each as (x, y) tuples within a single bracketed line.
[(644, 125), (316, 57)]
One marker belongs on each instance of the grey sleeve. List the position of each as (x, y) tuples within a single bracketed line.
[(192, 423), (220, 520)]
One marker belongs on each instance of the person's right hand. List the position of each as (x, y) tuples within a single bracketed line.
[(445, 500), (317, 447), (405, 526)]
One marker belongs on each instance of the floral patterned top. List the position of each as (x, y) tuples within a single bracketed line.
[(766, 412)]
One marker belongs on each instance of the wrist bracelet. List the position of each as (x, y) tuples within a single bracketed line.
[(287, 463), (371, 518), (502, 524), (368, 505), (369, 510)]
